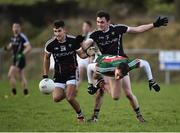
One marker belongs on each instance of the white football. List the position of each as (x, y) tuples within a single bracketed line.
[(46, 86)]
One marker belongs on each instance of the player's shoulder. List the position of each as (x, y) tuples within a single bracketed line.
[(119, 26), (50, 41), (70, 37), (95, 32), (23, 36)]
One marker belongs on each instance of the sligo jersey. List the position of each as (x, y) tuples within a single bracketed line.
[(106, 64), (18, 42), (64, 54), (110, 42)]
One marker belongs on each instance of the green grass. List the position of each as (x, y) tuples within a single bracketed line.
[(39, 113)]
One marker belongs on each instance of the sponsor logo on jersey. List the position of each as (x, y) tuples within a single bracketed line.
[(107, 37), (70, 45), (56, 48), (64, 54), (63, 48), (101, 37)]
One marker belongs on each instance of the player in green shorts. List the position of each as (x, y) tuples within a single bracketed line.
[(117, 67)]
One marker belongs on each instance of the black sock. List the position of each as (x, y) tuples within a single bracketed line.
[(25, 91), (138, 112), (96, 112), (14, 91), (79, 114)]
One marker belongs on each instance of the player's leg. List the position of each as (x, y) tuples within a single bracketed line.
[(91, 68), (12, 78), (82, 65), (23, 82), (131, 97), (97, 106), (70, 97), (58, 93), (115, 88), (20, 67), (152, 84), (93, 90), (82, 71)]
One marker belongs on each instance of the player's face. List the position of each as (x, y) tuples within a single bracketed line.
[(16, 28), (117, 74), (59, 33), (86, 28), (102, 23)]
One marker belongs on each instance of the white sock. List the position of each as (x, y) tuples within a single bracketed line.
[(90, 69), (147, 68)]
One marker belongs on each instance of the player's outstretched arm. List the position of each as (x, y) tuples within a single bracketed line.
[(142, 28)]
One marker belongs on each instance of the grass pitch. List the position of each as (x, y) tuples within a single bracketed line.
[(38, 112)]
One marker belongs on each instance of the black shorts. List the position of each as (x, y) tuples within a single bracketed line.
[(19, 63), (64, 77)]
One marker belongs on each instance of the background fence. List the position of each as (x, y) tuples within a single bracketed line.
[(35, 61)]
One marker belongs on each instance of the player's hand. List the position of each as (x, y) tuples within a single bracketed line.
[(161, 22), (45, 76), (19, 56)]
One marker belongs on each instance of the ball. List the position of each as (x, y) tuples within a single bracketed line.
[(46, 86)]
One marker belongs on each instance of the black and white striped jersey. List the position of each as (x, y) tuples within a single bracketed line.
[(110, 41), (18, 42), (64, 53)]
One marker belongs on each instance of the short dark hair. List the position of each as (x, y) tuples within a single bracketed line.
[(59, 23), (88, 22), (103, 14), (124, 68), (17, 22)]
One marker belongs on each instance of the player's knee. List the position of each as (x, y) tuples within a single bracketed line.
[(145, 62), (57, 99), (10, 76)]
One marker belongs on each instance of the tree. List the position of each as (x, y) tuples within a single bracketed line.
[(177, 3)]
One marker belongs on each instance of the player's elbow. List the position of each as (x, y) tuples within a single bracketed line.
[(28, 48)]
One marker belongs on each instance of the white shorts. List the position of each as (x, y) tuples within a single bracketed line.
[(82, 62), (63, 86)]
